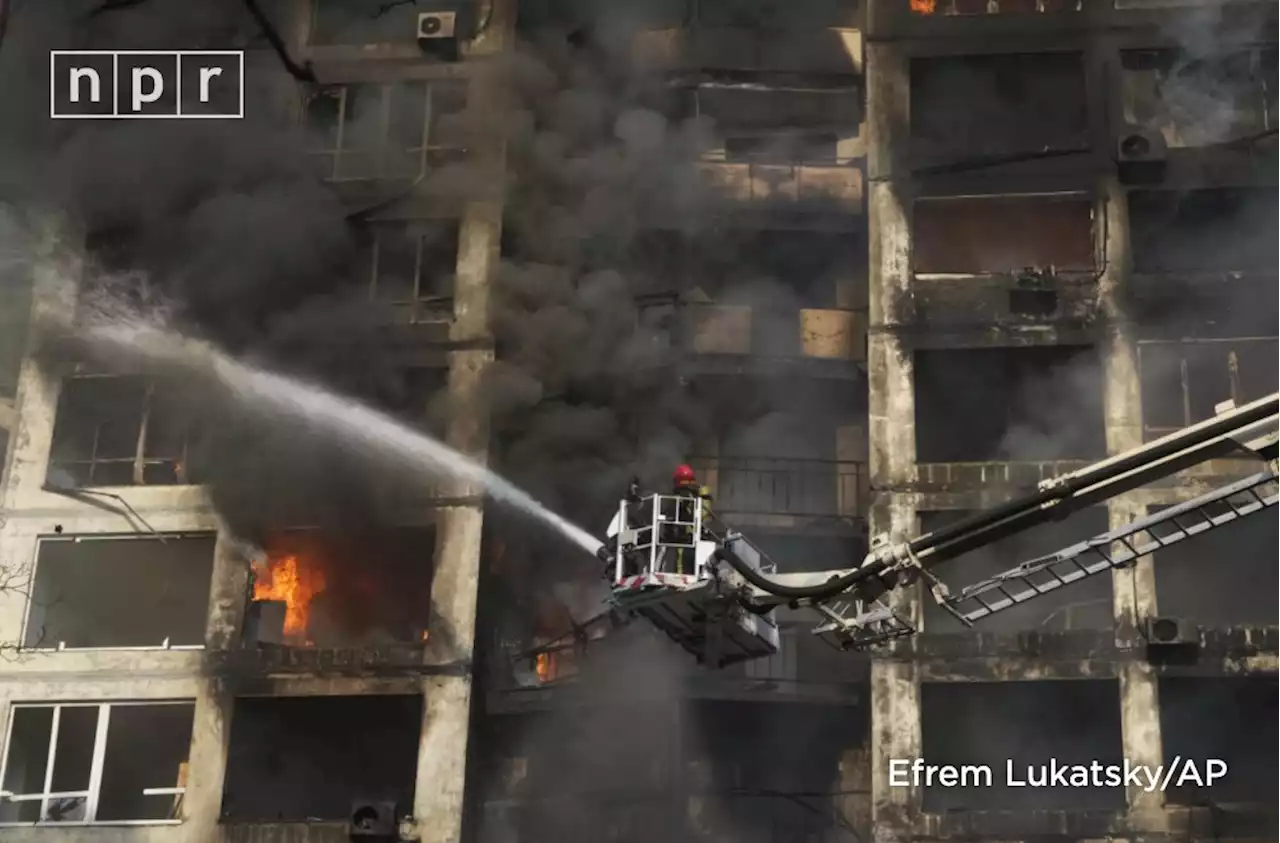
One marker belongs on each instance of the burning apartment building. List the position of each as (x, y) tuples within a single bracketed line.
[(867, 267)]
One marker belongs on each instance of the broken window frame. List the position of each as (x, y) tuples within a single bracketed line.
[(385, 151), (1097, 220), (93, 792), (422, 309), (1151, 432), (1258, 94), (61, 647), (139, 460), (792, 136)]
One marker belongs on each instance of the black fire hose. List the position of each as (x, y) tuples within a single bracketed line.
[(830, 588)]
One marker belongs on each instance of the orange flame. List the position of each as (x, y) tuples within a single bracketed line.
[(295, 585), (545, 666), (924, 7)]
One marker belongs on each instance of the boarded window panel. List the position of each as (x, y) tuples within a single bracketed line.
[(970, 105), (1002, 234)]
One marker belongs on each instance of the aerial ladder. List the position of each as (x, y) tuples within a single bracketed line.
[(715, 593)]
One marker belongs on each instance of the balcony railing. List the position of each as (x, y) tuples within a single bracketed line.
[(766, 486)]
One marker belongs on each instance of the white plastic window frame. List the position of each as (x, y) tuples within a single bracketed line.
[(61, 646), (93, 792)]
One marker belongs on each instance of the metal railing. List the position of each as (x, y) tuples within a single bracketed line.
[(769, 486), (1184, 371)]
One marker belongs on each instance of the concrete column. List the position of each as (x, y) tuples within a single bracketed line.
[(442, 754), (439, 803), (228, 594), (895, 689), (1133, 588), (36, 402), (206, 764)]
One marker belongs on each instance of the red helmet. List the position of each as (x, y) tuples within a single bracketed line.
[(684, 475)]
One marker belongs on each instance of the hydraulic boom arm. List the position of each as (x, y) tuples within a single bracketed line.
[(849, 600)]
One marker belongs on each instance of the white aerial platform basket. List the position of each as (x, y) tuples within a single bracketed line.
[(664, 570)]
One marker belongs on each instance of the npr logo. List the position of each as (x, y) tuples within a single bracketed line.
[(100, 84)]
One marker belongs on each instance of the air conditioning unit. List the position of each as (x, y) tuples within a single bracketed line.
[(1141, 155), (438, 34), (1170, 632), (435, 25), (373, 820)]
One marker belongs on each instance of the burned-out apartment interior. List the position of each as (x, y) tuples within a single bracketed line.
[(868, 267)]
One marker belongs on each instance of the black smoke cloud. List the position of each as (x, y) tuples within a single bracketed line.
[(229, 226)]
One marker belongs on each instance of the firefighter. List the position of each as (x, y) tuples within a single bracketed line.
[(684, 481), (684, 484)]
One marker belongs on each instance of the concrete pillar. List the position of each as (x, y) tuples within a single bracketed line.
[(1133, 588), (206, 764), (895, 689), (439, 803), (36, 402)]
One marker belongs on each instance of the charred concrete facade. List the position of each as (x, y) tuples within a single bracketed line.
[(1043, 184), (172, 697), (969, 304)]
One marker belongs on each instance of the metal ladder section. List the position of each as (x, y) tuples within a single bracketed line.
[(854, 624), (1093, 556)]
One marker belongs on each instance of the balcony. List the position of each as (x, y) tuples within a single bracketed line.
[(787, 488), (742, 340), (811, 189), (961, 476), (811, 49)]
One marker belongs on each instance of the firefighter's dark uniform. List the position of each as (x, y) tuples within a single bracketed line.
[(689, 489)]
